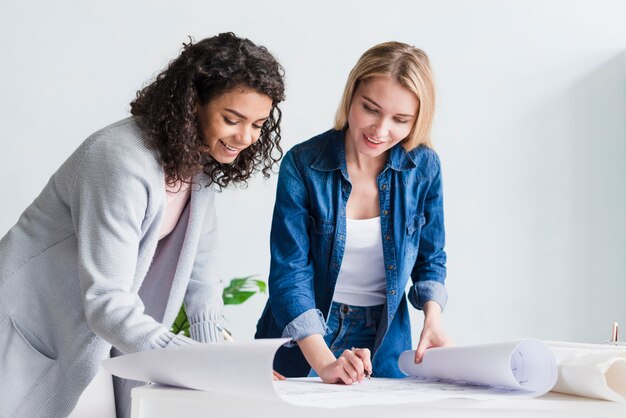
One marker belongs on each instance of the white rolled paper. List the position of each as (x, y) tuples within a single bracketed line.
[(528, 366)]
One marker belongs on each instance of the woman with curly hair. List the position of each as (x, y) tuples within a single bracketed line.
[(125, 230)]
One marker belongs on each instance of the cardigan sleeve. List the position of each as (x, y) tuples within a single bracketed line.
[(109, 202), (203, 298)]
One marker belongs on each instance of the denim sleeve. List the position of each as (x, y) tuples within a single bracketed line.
[(308, 323), (429, 272), (291, 289)]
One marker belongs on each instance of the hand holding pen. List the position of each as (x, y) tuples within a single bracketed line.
[(368, 370), (351, 367)]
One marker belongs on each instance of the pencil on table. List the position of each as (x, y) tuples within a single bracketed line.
[(228, 337)]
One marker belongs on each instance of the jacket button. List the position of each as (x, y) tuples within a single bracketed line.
[(387, 237), (385, 212), (392, 292), (390, 267), (335, 265), (384, 187), (341, 237)]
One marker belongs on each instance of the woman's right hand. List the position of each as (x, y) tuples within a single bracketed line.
[(349, 368)]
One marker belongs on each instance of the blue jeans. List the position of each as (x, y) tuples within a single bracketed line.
[(351, 326)]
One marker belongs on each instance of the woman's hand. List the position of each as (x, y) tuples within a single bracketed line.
[(432, 334), (277, 376), (349, 368)]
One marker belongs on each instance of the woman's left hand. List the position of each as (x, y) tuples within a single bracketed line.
[(277, 376), (432, 334)]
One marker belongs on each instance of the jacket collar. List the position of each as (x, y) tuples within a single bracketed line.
[(333, 155)]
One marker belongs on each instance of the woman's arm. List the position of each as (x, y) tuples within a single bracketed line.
[(432, 333), (428, 292), (109, 201), (203, 298), (292, 295)]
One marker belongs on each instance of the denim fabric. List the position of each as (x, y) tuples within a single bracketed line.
[(308, 323), (307, 244), (351, 326)]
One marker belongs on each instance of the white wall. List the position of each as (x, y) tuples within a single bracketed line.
[(530, 129)]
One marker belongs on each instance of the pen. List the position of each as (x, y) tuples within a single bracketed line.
[(225, 333), (614, 336)]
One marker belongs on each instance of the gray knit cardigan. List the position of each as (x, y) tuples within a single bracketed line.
[(71, 267)]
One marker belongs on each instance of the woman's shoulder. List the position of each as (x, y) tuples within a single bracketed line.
[(122, 143), (119, 149), (122, 136), (316, 143), (308, 151), (426, 160)]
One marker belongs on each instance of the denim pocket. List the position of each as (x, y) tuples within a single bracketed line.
[(21, 363), (413, 227), (415, 223), (321, 238)]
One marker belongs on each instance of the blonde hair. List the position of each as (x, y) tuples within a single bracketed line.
[(409, 66)]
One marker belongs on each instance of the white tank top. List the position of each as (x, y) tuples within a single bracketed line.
[(361, 280)]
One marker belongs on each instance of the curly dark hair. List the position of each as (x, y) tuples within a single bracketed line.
[(166, 108)]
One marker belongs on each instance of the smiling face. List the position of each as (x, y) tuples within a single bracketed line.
[(382, 113), (232, 122)]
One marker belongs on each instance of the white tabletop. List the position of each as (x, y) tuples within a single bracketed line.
[(154, 401)]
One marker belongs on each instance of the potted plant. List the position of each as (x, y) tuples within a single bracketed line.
[(238, 291)]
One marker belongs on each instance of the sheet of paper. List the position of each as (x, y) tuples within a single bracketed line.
[(527, 366), (512, 369), (312, 392), (234, 368), (592, 370)]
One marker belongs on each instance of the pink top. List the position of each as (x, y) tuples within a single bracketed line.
[(176, 199)]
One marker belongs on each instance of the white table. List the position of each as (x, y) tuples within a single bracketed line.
[(155, 401)]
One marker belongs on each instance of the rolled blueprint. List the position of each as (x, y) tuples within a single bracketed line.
[(527, 366)]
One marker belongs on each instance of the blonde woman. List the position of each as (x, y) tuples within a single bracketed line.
[(359, 211)]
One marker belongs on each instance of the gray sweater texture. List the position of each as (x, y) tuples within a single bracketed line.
[(71, 268)]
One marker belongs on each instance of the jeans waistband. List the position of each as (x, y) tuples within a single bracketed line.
[(369, 313)]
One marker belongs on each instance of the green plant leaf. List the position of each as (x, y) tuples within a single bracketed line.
[(239, 290), (238, 297), (181, 324)]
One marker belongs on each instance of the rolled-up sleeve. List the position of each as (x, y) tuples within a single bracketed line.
[(308, 323)]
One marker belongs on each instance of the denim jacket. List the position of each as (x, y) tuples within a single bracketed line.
[(308, 241)]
